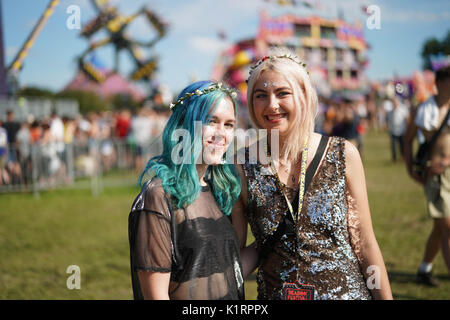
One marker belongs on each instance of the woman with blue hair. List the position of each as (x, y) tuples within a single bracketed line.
[(182, 243)]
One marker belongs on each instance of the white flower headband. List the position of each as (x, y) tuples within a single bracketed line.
[(286, 56), (213, 87)]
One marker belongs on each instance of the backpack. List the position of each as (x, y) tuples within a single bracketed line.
[(420, 161)]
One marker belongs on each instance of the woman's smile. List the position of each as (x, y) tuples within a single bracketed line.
[(276, 117)]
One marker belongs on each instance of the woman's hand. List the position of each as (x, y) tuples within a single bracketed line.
[(438, 165)]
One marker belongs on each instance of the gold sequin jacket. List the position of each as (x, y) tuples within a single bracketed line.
[(326, 257)]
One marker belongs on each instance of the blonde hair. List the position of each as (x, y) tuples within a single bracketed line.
[(305, 99)]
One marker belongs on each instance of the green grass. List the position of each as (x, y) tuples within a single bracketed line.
[(41, 237)]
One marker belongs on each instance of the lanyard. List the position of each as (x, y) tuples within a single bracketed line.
[(301, 182), (301, 191)]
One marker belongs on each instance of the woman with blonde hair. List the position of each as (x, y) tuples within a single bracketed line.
[(308, 208)]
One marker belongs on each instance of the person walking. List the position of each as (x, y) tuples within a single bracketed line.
[(432, 118)]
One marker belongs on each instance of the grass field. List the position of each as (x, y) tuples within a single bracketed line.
[(40, 237)]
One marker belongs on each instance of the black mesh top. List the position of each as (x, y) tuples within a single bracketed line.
[(197, 245)]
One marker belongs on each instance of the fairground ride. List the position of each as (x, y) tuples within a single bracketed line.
[(110, 20), (9, 76)]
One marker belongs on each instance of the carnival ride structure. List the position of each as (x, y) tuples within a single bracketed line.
[(13, 70), (115, 24)]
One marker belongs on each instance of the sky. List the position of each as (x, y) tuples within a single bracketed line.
[(192, 44)]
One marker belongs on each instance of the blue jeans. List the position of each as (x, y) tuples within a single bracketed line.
[(394, 141)]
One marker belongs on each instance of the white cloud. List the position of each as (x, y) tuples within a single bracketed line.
[(207, 15), (83, 4), (11, 52), (414, 16), (207, 45), (392, 13)]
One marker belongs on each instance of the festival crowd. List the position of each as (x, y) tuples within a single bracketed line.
[(135, 132), (45, 143)]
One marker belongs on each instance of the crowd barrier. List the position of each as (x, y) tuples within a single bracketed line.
[(33, 168)]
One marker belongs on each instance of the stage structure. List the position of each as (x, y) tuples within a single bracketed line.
[(334, 51)]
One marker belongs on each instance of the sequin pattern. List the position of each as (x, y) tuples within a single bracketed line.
[(326, 258)]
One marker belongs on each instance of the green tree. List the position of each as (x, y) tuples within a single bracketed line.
[(35, 92), (87, 100), (124, 101), (432, 47), (446, 44)]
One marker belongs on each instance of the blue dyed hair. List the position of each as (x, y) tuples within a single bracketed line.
[(182, 180)]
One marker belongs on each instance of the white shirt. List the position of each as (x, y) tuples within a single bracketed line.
[(388, 105), (3, 138), (397, 119), (427, 117), (57, 133), (142, 130)]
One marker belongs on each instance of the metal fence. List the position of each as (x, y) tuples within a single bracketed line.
[(38, 108), (33, 168)]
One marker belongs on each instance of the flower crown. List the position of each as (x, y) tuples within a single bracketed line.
[(286, 56), (213, 87)]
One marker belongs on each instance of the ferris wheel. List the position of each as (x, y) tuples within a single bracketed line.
[(110, 20)]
